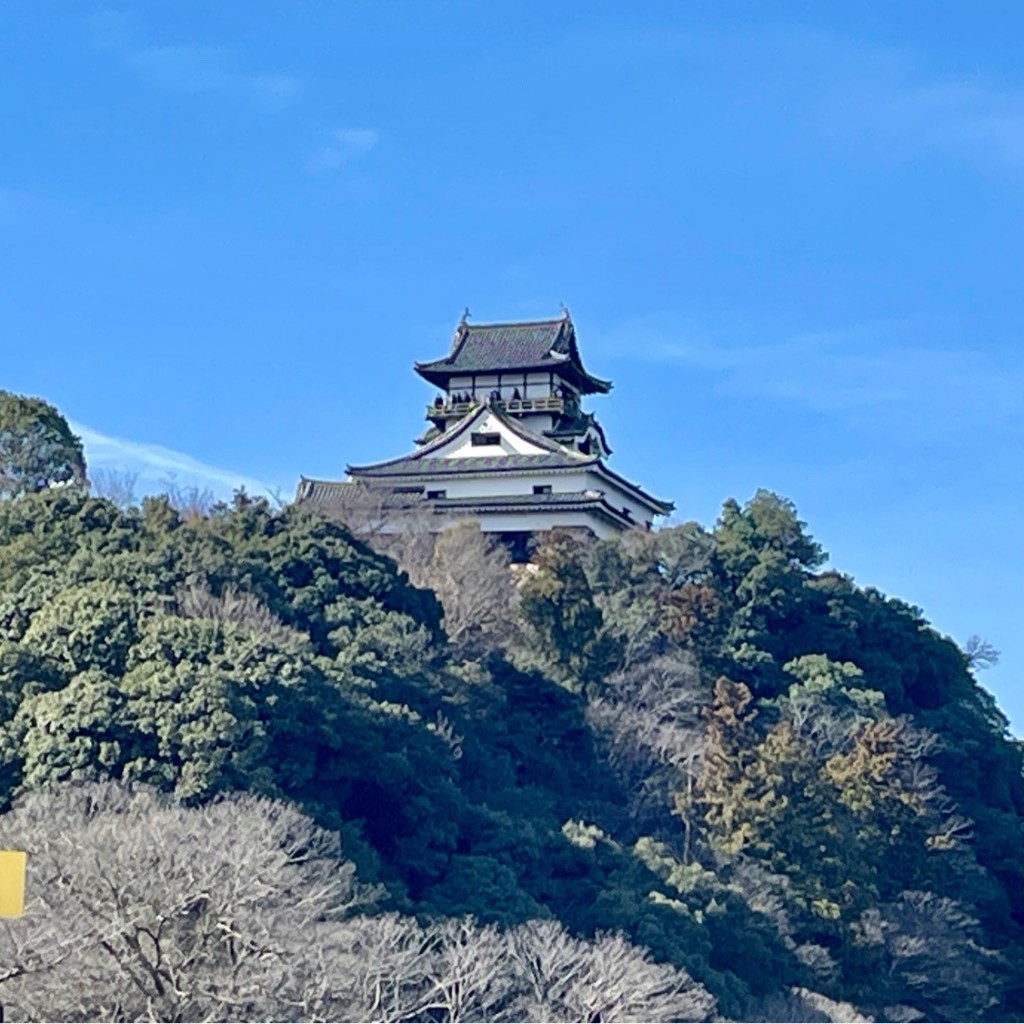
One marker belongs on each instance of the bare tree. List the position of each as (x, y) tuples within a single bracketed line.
[(980, 653), (391, 969), (468, 570), (140, 909), (195, 600), (376, 514), (116, 485), (804, 1006), (650, 726), (931, 957), (143, 910), (380, 969), (189, 501), (472, 980), (560, 978)]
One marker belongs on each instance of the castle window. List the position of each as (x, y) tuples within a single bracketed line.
[(479, 440), (406, 490), (542, 488), (434, 495)]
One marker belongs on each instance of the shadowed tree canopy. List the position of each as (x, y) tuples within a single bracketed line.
[(704, 761)]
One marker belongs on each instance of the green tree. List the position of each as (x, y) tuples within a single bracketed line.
[(37, 447), (565, 624), (763, 557)]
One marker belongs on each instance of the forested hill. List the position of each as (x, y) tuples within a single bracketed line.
[(264, 772)]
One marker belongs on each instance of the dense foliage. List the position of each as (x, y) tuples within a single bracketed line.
[(37, 447), (784, 787)]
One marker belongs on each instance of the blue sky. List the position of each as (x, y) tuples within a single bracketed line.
[(790, 233)]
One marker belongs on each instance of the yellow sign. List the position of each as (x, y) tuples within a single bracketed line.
[(12, 883)]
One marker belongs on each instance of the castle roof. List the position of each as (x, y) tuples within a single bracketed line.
[(544, 345), (430, 460), (413, 465), (328, 494), (552, 455)]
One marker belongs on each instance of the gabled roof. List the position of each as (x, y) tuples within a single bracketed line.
[(574, 426), (563, 501), (553, 455), (519, 346), (331, 494), (413, 466), (427, 462)]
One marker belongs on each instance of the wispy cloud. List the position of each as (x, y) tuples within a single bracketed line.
[(871, 373), (156, 465), (341, 146), (190, 69), (886, 102), (890, 102), (904, 111), (209, 69)]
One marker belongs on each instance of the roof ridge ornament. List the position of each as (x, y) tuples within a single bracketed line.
[(465, 317), (564, 310)]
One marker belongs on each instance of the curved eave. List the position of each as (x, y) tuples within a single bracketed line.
[(591, 422), (463, 425), (659, 507), (455, 468), (439, 375), (596, 505)]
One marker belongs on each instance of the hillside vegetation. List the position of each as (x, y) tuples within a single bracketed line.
[(266, 767)]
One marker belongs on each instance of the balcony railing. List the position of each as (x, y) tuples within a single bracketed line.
[(456, 410)]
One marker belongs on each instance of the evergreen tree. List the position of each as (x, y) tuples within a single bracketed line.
[(37, 447)]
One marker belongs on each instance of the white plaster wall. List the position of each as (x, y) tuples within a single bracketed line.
[(511, 444), (501, 484), (503, 522), (573, 481), (618, 497)]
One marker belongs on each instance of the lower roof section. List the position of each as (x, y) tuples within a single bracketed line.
[(570, 501), (398, 509)]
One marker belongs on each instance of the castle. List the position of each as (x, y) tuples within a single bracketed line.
[(508, 443)]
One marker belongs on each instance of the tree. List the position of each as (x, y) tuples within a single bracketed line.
[(391, 969), (561, 978), (923, 949), (468, 570), (763, 557), (141, 909), (115, 485), (649, 721), (566, 627), (37, 448), (980, 653)]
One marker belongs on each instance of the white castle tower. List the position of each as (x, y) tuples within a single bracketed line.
[(509, 443)]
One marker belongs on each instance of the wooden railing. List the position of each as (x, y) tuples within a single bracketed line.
[(452, 410)]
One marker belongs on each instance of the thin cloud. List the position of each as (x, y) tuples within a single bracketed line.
[(156, 465), (888, 102), (867, 374), (884, 102), (343, 146), (208, 69), (190, 70), (905, 113)]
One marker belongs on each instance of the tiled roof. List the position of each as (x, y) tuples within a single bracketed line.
[(574, 426), (413, 466), (566, 501), (327, 494), (532, 345), (408, 463)]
